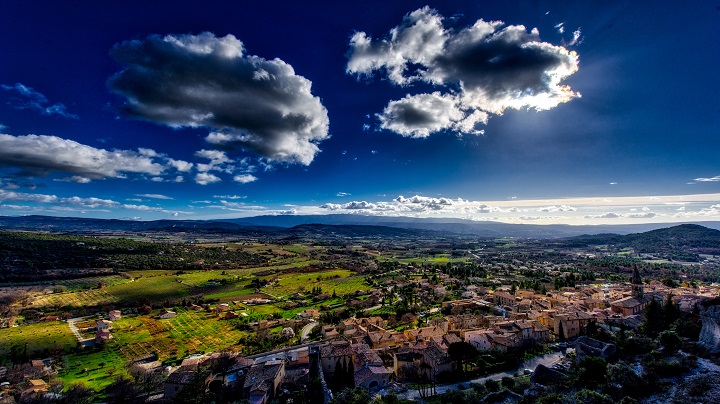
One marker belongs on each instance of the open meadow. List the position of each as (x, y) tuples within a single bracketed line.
[(34, 339)]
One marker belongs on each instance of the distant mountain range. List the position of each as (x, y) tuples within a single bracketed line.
[(682, 242), (338, 225), (459, 226)]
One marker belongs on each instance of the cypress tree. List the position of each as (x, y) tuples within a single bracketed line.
[(350, 375)]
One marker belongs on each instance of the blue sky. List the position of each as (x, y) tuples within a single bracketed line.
[(581, 112)]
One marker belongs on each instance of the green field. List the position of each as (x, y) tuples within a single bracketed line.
[(339, 280), (172, 339), (90, 297), (227, 285), (133, 337), (156, 286), (52, 335), (97, 368)]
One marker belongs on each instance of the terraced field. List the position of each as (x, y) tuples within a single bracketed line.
[(151, 285), (90, 297), (190, 332), (341, 281)]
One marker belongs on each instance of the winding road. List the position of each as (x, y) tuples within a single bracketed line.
[(305, 332)]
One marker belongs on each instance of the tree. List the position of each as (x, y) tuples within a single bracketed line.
[(462, 352), (146, 381), (591, 397), (78, 393), (622, 374), (355, 395), (654, 319), (339, 376), (671, 312), (350, 375), (195, 391), (222, 363), (670, 341), (592, 329), (592, 371), (287, 333), (492, 385), (415, 374), (121, 390), (561, 332)]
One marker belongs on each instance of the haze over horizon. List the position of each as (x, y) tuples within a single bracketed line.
[(532, 112)]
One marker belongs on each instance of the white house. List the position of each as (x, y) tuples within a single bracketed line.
[(165, 314)]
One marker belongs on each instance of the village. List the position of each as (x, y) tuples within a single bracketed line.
[(380, 353)]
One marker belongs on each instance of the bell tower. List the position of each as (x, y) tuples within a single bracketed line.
[(637, 285)]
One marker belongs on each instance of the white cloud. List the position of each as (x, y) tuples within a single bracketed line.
[(245, 178), (154, 196), (631, 215), (420, 115), (75, 178), (708, 179), (29, 98), (26, 197), (231, 197), (89, 202), (215, 156), (342, 194), (72, 204), (39, 155), (576, 211), (147, 152), (608, 215), (530, 218), (711, 211), (576, 38), (482, 69), (553, 208), (219, 161), (206, 178), (204, 81), (180, 165)]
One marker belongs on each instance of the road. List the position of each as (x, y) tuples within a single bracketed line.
[(82, 341), (547, 360), (305, 332), (281, 353), (399, 299)]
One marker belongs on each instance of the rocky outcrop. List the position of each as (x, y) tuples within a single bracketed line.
[(710, 333), (502, 396), (547, 377), (585, 346)]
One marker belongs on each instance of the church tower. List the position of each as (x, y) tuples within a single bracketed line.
[(637, 285)]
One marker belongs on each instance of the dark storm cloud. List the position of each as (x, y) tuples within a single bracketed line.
[(482, 69), (204, 81)]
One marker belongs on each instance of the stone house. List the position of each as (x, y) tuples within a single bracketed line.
[(263, 381)]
